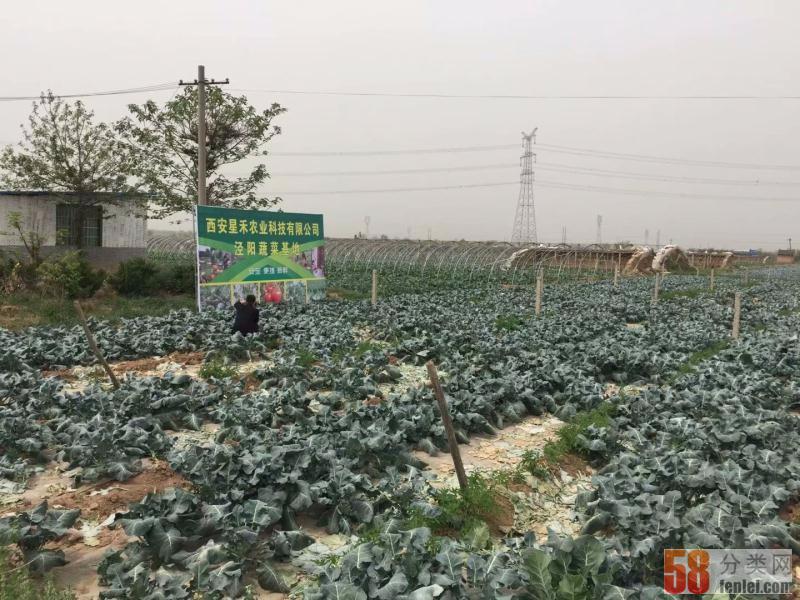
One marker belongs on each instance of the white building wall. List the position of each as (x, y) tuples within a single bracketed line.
[(38, 214), (120, 230)]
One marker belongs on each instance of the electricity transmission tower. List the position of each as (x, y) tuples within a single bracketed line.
[(646, 237), (525, 220), (563, 234), (599, 237)]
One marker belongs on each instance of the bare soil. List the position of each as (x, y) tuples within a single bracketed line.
[(141, 366), (144, 365), (80, 572), (501, 520), (574, 465), (98, 501), (790, 511)]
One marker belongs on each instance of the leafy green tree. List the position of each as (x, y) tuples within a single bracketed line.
[(164, 141), (65, 152)]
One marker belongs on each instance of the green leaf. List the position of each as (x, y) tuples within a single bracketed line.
[(58, 521), (537, 566), (426, 593), (271, 580), (43, 560), (396, 586), (362, 510), (478, 537), (612, 592), (573, 587), (588, 554), (165, 542), (343, 591), (259, 514)]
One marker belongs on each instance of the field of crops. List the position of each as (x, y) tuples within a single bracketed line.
[(303, 460)]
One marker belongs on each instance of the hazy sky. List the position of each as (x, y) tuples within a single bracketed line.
[(551, 48)]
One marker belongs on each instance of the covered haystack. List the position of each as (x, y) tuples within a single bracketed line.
[(641, 262), (670, 258)]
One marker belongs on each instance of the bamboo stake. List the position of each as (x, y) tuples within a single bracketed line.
[(737, 314), (93, 345), (374, 287), (539, 289), (448, 424), (616, 275), (657, 288), (711, 281)]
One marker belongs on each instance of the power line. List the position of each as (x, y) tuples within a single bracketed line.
[(541, 183), (408, 189), (657, 177), (549, 148), (521, 96), (556, 167), (137, 90), (397, 152), (648, 158), (397, 171), (624, 191)]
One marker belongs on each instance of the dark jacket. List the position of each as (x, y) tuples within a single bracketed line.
[(246, 320)]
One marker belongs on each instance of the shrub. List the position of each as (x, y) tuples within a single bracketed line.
[(15, 274), (135, 277), (142, 277), (70, 275), (177, 277)]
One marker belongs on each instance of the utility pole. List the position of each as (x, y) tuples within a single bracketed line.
[(646, 236), (201, 82), (599, 236), (563, 234), (366, 226), (790, 244)]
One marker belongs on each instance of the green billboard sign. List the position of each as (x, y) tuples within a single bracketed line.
[(276, 256)]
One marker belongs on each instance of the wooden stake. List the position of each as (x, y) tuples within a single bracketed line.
[(93, 345), (656, 288), (539, 289), (737, 314), (448, 424), (711, 281), (616, 275), (374, 287)]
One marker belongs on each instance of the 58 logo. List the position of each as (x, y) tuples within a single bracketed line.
[(686, 571)]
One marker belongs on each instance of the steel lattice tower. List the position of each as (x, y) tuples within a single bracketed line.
[(525, 220)]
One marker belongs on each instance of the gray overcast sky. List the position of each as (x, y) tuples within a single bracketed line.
[(615, 47)]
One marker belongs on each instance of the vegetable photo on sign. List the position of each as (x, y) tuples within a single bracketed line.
[(241, 247)]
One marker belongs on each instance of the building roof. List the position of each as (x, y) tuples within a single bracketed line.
[(67, 194)]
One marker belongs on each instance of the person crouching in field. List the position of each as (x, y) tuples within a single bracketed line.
[(246, 320)]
